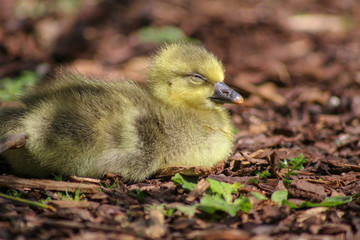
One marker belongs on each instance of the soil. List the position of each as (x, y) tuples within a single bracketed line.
[(297, 64)]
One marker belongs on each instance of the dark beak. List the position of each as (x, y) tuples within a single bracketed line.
[(224, 94)]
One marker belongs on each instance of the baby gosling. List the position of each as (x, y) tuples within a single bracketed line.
[(84, 127)]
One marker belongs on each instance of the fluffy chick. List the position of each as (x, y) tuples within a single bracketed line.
[(84, 127)]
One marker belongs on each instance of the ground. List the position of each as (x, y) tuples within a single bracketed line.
[(294, 172)]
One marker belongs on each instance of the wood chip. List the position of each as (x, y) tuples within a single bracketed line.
[(69, 204), (200, 188), (20, 183)]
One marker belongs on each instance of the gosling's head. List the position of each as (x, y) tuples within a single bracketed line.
[(188, 75)]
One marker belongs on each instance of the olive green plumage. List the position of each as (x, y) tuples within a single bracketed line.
[(84, 127)]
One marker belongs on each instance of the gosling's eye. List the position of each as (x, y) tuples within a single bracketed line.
[(198, 77)]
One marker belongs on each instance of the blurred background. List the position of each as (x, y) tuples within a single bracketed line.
[(296, 63), (286, 57)]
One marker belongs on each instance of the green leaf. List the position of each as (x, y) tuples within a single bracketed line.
[(235, 186), (264, 174), (224, 189), (27, 202), (215, 186), (297, 163), (254, 180), (258, 196), (185, 182), (168, 211), (160, 34), (280, 196), (337, 200), (14, 193), (212, 203), (356, 195), (290, 204), (165, 210), (286, 181), (244, 204), (294, 164), (10, 88), (328, 202), (260, 175), (57, 177), (137, 194), (187, 210)]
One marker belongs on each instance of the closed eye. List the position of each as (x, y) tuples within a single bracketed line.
[(198, 76)]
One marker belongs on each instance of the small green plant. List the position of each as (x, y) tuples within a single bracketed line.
[(187, 210), (187, 183), (57, 177), (163, 208), (137, 194), (281, 197), (223, 189), (78, 196), (44, 201), (260, 175), (13, 192), (212, 203), (220, 196), (57, 196), (37, 8), (295, 164), (26, 202), (10, 88), (116, 184), (258, 196), (161, 34)]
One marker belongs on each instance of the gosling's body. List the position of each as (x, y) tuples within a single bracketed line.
[(80, 126)]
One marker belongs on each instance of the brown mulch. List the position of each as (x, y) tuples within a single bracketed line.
[(301, 84)]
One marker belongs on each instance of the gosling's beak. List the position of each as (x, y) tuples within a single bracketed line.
[(224, 94)]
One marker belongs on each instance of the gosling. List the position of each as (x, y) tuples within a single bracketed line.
[(80, 126)]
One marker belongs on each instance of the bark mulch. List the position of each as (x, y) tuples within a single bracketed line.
[(294, 172)]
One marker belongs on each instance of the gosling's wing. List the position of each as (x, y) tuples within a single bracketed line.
[(9, 118), (12, 134), (13, 139)]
